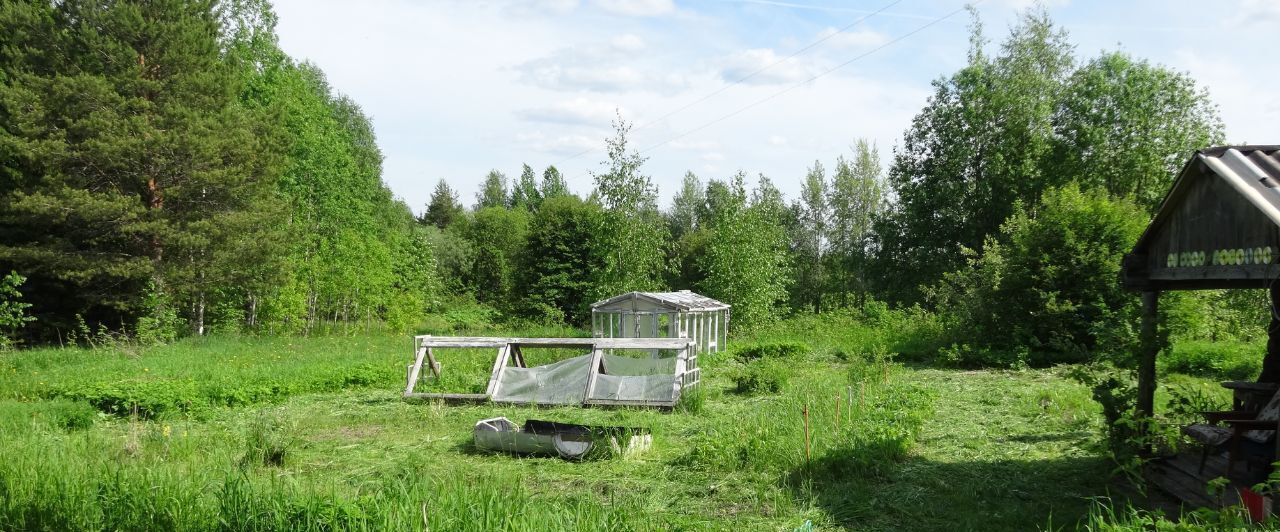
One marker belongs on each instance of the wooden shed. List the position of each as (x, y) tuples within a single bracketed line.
[(1218, 227), (682, 314)]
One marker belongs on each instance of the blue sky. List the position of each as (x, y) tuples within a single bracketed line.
[(458, 88)]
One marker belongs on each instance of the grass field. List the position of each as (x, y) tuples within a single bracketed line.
[(243, 433)]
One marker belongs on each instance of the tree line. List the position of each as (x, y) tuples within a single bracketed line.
[(168, 170)]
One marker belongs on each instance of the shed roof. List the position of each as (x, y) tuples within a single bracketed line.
[(1225, 202), (683, 300)]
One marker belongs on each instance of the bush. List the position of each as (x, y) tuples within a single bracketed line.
[(1218, 360), (759, 377), (59, 413), (1046, 282), (772, 351), (13, 312)]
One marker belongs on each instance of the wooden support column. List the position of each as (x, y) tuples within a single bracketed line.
[(1271, 361), (1149, 346)]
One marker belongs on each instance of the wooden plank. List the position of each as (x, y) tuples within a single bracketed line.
[(593, 371), (415, 370), (460, 397), (624, 402), (519, 356), (678, 383), (607, 343), (435, 365), (499, 364)]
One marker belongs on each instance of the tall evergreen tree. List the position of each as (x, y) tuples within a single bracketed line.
[(161, 182), (444, 207)]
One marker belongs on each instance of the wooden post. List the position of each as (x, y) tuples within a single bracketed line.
[(1271, 362), (499, 364), (415, 369), (435, 366), (1149, 346), (593, 371)]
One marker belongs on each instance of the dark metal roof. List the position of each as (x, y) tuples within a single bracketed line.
[(1254, 171), (682, 300)]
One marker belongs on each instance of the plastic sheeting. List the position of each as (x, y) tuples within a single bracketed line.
[(565, 382)]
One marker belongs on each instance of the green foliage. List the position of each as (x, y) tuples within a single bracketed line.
[(554, 280), (1047, 285), (493, 193), (13, 311), (444, 208), (161, 323), (745, 262), (771, 351), (525, 193), (1127, 126), (1219, 360), (761, 377), (498, 236), (633, 232)]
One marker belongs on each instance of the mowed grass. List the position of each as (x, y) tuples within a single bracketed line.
[(909, 449)]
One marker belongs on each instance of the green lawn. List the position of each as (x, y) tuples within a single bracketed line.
[(271, 433)]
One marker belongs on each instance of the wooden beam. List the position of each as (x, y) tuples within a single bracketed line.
[(593, 371), (415, 370), (519, 356), (499, 364), (435, 366), (451, 397), (607, 343), (1149, 347)]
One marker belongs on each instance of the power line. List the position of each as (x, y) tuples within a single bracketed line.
[(748, 76), (810, 80)]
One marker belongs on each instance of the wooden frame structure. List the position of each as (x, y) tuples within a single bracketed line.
[(509, 354), (681, 314), (1218, 227)]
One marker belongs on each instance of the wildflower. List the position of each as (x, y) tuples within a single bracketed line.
[(167, 431)]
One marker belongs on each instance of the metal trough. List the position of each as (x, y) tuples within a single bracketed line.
[(566, 440)]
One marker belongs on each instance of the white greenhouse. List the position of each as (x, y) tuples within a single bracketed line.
[(682, 314)]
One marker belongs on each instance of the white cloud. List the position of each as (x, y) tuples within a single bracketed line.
[(561, 144), (1247, 106), (637, 8), (1020, 5), (713, 156), (696, 145), (777, 140), (612, 67), (852, 39), (628, 43), (1259, 12), (581, 110), (761, 66)]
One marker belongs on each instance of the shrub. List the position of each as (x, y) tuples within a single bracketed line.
[(765, 376), (13, 312), (772, 351), (1046, 282)]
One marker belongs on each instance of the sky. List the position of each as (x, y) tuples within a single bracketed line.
[(458, 88)]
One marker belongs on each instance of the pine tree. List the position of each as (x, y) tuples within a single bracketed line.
[(443, 208), (162, 181)]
